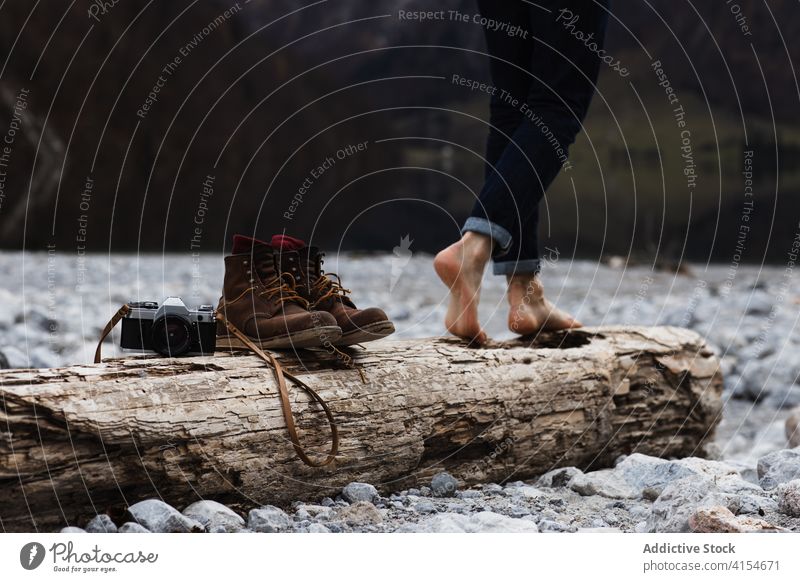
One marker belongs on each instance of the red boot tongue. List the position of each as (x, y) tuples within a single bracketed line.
[(244, 244), (284, 242)]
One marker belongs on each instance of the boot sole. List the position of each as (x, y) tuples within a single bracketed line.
[(307, 338), (368, 333)]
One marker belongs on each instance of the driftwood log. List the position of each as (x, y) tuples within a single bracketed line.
[(94, 438)]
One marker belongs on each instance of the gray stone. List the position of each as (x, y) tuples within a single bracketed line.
[(775, 372), (470, 494), (305, 511), (459, 507), (779, 467), (606, 483), (649, 475), (424, 506), (158, 517), (327, 502), (639, 512), (709, 468), (550, 514), (519, 511), (360, 513), (755, 505), (101, 524), (680, 499), (318, 528), (489, 522), (354, 492), (214, 515), (740, 496), (558, 477), (42, 357), (759, 303), (526, 492), (132, 527), (734, 486), (399, 313), (789, 498), (786, 396), (746, 471), (732, 386), (37, 319), (14, 357), (444, 485), (642, 471), (759, 379), (483, 522), (72, 530), (552, 526), (268, 519)]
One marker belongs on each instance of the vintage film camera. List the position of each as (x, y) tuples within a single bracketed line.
[(171, 329)]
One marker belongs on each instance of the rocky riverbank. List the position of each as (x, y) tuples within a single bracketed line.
[(641, 494), (52, 308)]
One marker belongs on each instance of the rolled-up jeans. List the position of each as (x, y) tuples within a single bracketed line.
[(544, 78)]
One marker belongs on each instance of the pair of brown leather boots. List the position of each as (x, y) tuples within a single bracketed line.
[(277, 294)]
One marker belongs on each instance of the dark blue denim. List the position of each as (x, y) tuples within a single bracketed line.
[(551, 72)]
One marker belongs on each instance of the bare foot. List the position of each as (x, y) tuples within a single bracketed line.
[(460, 266), (530, 311)]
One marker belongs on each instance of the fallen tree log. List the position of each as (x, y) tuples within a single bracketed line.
[(94, 438)]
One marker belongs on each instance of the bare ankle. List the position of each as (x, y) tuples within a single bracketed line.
[(477, 248), (525, 287)]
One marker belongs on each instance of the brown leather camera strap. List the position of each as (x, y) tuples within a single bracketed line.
[(123, 311), (280, 377)]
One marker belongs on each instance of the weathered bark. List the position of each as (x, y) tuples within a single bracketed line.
[(97, 437)]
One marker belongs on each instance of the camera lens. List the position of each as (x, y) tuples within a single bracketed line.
[(171, 335)]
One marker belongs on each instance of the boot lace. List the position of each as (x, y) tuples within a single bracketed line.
[(328, 286), (282, 288)]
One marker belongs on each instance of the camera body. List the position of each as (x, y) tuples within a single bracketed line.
[(171, 329)]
